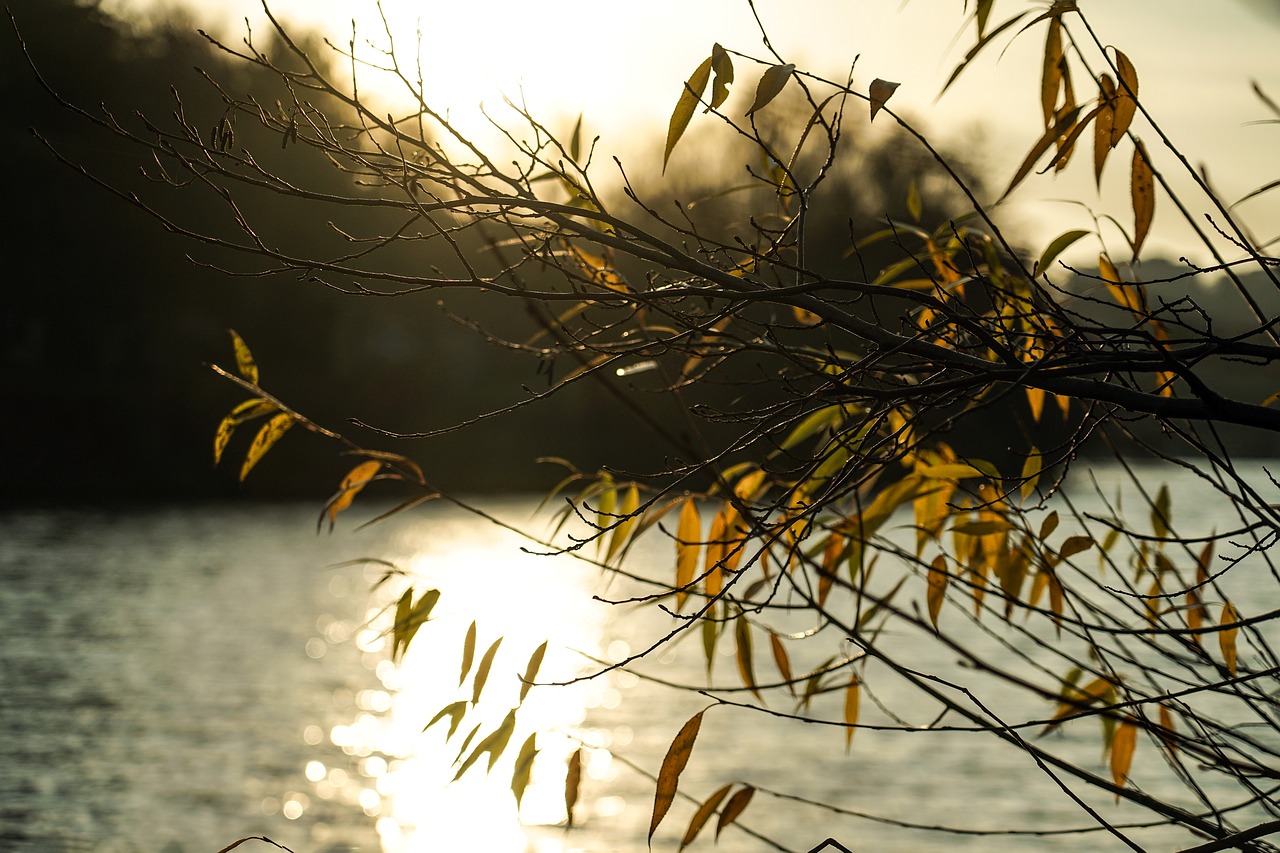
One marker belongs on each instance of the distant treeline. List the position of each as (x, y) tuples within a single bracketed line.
[(108, 322)]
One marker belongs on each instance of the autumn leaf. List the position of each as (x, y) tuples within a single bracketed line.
[(270, 433), (937, 591), (879, 94), (734, 808), (687, 548), (1123, 744), (572, 784), (1126, 103), (531, 671), (704, 812), (243, 412), (482, 671), (781, 660), (351, 484), (771, 83), (852, 698), (628, 519), (742, 641), (1227, 636), (672, 765), (245, 364), (722, 65), (1142, 191), (685, 107), (523, 770), (1103, 125), (468, 653)]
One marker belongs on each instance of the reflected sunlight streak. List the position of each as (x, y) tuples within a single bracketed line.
[(406, 772)]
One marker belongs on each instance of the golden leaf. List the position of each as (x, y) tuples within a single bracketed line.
[(852, 696), (243, 412), (687, 547), (880, 92), (686, 106), (1167, 729), (1051, 72), (1126, 101), (1123, 745), (771, 83), (468, 653), (523, 770), (1227, 636), (482, 671), (531, 671), (937, 591), (270, 433), (734, 808), (704, 812), (722, 64), (782, 661), (627, 513), (245, 364), (572, 782), (742, 642), (350, 486), (1142, 191), (1055, 133), (672, 766), (1031, 468), (717, 547), (1104, 125)]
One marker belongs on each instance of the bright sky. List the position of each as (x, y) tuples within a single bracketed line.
[(622, 64)]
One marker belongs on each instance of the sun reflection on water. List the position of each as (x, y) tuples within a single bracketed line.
[(401, 774)]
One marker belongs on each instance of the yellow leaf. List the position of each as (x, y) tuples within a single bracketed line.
[(246, 411), (245, 364), (270, 433), (781, 659), (572, 782), (1058, 131), (1051, 72), (350, 486), (1227, 636), (879, 94), (704, 812), (687, 548), (736, 806), (627, 513), (1142, 190), (1123, 745), (851, 701), (723, 67), (1126, 104), (523, 770), (1031, 472), (482, 671), (685, 107), (717, 547), (531, 671), (1167, 729), (1126, 295), (1073, 545), (742, 641), (1103, 125), (950, 471), (468, 653), (771, 83), (672, 766), (937, 591)]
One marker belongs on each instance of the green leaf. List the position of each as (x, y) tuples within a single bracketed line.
[(685, 107), (771, 83), (1057, 246)]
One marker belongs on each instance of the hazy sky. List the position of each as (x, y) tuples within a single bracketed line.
[(622, 64)]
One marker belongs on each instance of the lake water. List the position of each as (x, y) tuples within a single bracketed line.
[(174, 680)]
